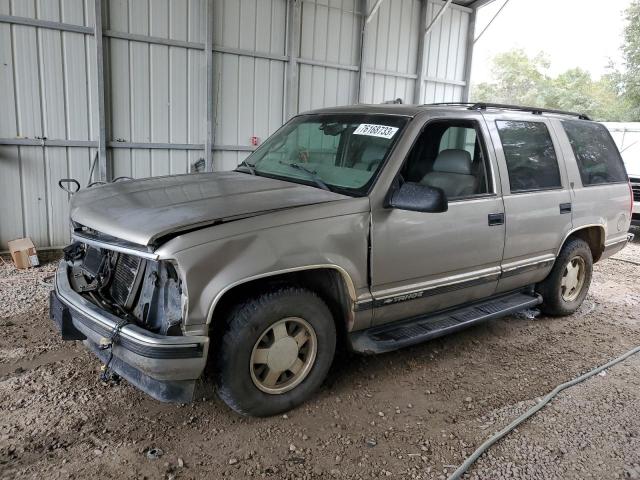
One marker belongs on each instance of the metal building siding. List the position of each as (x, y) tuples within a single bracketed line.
[(249, 91), (48, 99), (330, 33), (393, 49), (72, 11), (445, 50), (158, 93)]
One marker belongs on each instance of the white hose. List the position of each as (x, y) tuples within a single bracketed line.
[(502, 433)]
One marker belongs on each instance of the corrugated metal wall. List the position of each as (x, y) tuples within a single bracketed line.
[(46, 90), (445, 54), (393, 50), (330, 35), (156, 84), (156, 92)]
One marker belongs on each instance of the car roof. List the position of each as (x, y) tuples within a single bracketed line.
[(368, 109), (413, 110)]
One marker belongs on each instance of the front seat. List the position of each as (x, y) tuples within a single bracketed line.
[(452, 172), (370, 157)]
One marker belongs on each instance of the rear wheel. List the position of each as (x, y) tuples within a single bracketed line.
[(566, 286), (275, 352)]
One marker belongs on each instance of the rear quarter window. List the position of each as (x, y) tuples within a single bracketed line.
[(598, 158), (531, 158)]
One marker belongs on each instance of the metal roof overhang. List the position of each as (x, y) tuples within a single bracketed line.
[(472, 3)]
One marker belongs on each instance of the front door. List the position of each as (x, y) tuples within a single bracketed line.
[(424, 262)]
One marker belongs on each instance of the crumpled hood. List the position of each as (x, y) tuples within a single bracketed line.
[(141, 211)]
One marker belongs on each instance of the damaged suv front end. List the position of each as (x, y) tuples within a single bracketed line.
[(128, 307)]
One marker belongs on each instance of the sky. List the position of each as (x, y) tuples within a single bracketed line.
[(573, 33)]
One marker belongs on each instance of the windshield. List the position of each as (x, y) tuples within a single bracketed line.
[(335, 151)]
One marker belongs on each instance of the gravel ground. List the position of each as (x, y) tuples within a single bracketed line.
[(416, 413)]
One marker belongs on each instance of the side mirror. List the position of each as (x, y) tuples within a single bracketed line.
[(418, 198)]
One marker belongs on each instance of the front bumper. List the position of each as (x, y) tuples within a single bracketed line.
[(165, 367)]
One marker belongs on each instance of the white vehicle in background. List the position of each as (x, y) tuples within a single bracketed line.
[(627, 138)]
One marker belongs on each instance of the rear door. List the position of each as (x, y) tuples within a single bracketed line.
[(537, 199), (598, 178)]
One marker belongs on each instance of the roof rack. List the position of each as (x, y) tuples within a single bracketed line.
[(452, 104), (534, 110), (519, 108)]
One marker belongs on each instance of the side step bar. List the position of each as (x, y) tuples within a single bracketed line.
[(389, 337)]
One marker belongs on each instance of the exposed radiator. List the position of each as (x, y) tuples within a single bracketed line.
[(126, 278)]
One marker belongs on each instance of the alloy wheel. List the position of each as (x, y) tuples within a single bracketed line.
[(283, 355)]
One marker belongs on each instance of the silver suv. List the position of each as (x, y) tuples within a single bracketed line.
[(378, 226)]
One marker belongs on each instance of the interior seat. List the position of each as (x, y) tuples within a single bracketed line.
[(370, 157), (452, 172)]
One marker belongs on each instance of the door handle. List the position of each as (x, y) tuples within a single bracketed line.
[(565, 208), (496, 219)]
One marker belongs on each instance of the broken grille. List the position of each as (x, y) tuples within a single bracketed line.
[(126, 278)]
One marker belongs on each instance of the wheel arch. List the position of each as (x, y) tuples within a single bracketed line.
[(330, 282), (594, 235)]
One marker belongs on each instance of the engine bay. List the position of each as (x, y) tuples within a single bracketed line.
[(145, 292)]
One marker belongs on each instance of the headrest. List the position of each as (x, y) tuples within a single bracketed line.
[(373, 152), (453, 160)]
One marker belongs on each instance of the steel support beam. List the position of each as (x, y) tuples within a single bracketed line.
[(373, 10), (169, 42), (468, 56), (362, 76), (437, 18), (490, 21), (45, 142), (389, 73), (292, 89), (208, 152), (33, 22), (103, 170), (448, 81), (320, 63), (418, 91), (37, 142)]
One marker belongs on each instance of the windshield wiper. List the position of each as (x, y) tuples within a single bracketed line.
[(248, 166), (312, 174)]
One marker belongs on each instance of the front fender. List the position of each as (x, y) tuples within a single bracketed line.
[(210, 269)]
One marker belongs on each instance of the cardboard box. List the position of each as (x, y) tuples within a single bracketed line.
[(23, 252)]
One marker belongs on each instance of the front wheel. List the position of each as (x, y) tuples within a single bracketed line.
[(566, 286), (275, 352)]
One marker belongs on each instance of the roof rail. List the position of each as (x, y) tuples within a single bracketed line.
[(453, 104), (534, 110)]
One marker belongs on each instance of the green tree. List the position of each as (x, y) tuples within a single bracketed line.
[(520, 79), (631, 52), (523, 80)]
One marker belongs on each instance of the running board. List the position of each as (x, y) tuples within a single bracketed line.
[(393, 336)]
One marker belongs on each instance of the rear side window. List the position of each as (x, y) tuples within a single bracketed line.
[(531, 159), (598, 157)]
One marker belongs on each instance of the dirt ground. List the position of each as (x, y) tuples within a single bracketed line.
[(415, 413)]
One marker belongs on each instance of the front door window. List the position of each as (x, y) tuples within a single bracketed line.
[(449, 155)]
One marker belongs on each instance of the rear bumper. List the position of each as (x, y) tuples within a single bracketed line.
[(616, 246), (165, 367)]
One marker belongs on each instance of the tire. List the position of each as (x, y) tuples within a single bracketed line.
[(555, 302), (251, 326)]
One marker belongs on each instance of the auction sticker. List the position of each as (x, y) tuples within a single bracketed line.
[(381, 131)]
